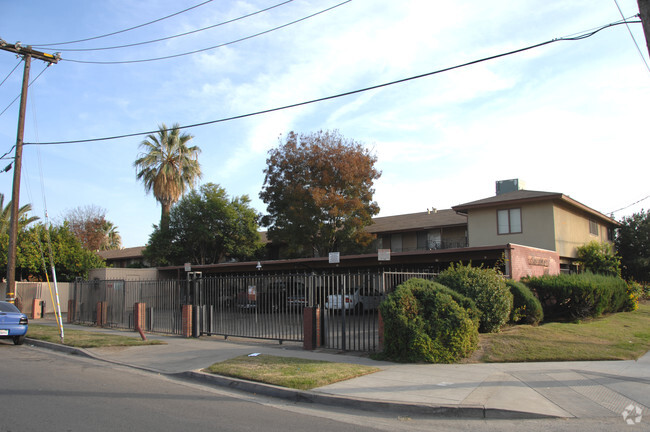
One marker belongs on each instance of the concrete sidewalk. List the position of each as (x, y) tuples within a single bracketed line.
[(496, 390)]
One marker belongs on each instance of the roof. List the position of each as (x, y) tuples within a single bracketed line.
[(526, 196), (132, 252), (417, 221)]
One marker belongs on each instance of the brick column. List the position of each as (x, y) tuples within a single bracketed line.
[(187, 321), (71, 311), (102, 311), (36, 309), (311, 328), (139, 315)]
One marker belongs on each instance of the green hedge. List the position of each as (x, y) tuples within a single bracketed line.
[(526, 308), (486, 287), (424, 322), (575, 296)]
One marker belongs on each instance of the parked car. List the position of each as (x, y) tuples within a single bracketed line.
[(357, 299), (297, 296), (13, 323)]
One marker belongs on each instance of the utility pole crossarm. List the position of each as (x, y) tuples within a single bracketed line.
[(17, 48)]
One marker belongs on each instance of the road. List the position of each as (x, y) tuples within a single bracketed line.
[(41, 390)]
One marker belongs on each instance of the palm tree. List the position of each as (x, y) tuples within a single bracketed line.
[(5, 215), (112, 239), (168, 167)]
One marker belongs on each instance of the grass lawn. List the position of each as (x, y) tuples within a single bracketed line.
[(84, 339), (620, 336), (289, 371)]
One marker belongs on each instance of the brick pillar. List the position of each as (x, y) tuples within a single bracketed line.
[(380, 348), (311, 328), (139, 315), (71, 311), (36, 309), (187, 321), (102, 311)]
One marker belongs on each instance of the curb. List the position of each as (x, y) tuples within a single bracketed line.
[(314, 397)]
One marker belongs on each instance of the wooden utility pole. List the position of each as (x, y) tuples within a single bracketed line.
[(644, 11), (27, 53)]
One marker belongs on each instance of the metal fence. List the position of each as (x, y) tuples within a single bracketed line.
[(251, 306)]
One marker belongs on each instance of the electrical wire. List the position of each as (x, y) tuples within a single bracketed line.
[(32, 82), (122, 31), (473, 62), (628, 206), (12, 71), (633, 38), (174, 36), (208, 48)]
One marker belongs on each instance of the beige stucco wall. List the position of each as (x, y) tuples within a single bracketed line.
[(536, 223), (572, 228), (123, 273)]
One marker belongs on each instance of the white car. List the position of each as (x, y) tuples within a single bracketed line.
[(356, 299)]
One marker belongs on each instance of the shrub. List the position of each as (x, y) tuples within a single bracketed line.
[(424, 323), (486, 287), (526, 308), (635, 292), (597, 257), (575, 296)]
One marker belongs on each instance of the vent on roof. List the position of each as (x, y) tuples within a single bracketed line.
[(505, 186)]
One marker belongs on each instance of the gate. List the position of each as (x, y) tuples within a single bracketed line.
[(258, 306)]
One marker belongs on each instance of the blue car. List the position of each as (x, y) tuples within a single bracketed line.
[(13, 323)]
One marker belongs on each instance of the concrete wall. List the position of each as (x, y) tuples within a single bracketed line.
[(28, 291), (536, 226)]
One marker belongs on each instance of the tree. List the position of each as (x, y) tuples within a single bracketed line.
[(168, 167), (633, 244), (600, 258), (318, 191), (23, 218), (206, 227), (90, 226), (69, 256)]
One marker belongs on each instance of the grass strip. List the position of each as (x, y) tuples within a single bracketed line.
[(289, 372), (620, 336), (84, 339)]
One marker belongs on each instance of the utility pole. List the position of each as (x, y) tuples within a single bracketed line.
[(644, 12), (27, 53)]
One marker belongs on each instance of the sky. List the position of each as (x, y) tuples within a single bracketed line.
[(569, 116)]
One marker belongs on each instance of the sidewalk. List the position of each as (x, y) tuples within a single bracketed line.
[(494, 390)]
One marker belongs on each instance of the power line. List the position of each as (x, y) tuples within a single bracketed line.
[(628, 206), (18, 97), (177, 35), (12, 71), (212, 47), (633, 38), (123, 31), (576, 38)]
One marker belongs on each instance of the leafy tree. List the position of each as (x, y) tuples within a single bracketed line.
[(206, 227), (600, 258), (633, 244), (70, 258), (90, 226), (168, 167), (318, 191)]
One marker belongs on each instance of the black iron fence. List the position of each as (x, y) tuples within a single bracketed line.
[(251, 306)]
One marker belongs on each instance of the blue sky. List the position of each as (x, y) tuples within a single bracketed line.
[(568, 117)]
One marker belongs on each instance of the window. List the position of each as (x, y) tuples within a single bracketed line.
[(509, 221), (396, 242), (593, 227)]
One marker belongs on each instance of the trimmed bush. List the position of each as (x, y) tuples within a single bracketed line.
[(575, 296), (526, 308), (486, 287), (424, 323)]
